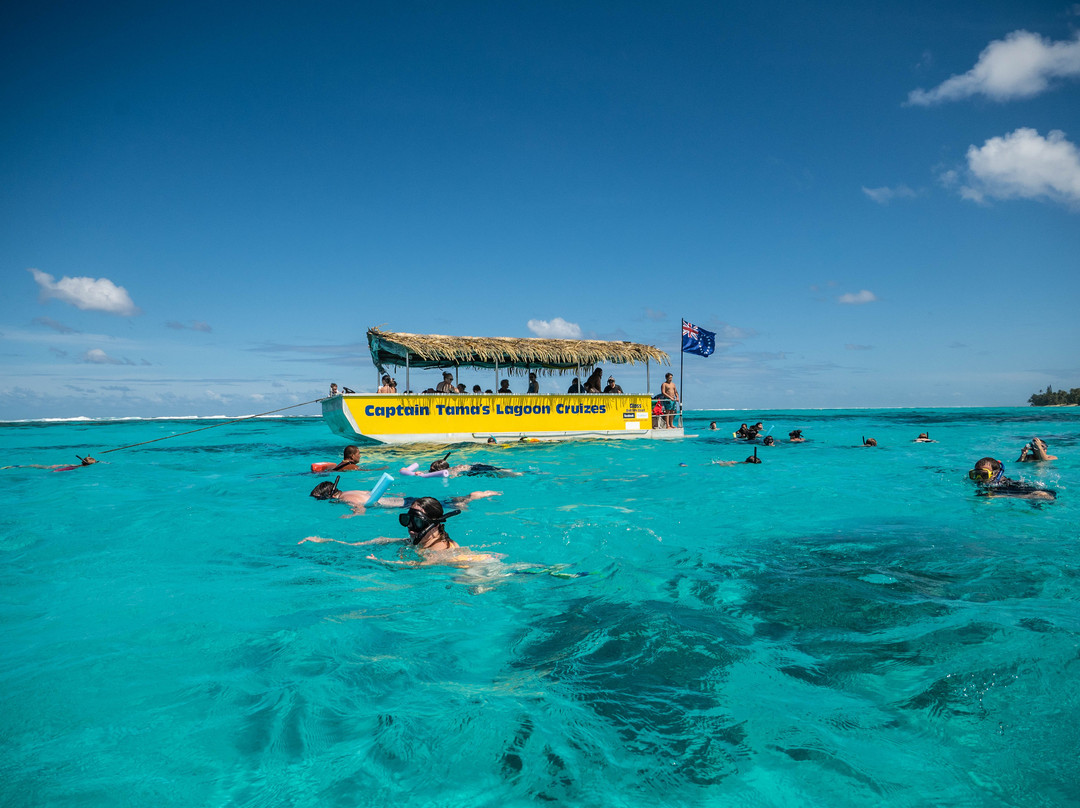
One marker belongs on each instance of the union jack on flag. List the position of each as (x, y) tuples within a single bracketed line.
[(697, 340)]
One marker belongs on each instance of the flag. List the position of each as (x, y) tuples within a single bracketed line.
[(697, 340)]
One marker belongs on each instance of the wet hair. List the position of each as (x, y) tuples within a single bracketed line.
[(439, 465), (325, 490), (433, 510), (995, 465), (351, 450)]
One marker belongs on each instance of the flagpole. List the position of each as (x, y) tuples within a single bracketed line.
[(682, 395)]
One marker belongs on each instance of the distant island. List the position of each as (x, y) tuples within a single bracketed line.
[(1055, 398)]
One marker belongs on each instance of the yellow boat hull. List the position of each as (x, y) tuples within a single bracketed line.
[(443, 418)]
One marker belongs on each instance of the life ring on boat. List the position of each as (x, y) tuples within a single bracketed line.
[(317, 468), (411, 471)]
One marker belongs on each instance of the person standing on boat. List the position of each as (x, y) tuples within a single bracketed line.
[(534, 385), (333, 389), (594, 383), (504, 387), (669, 394), (386, 387), (612, 387), (575, 386)]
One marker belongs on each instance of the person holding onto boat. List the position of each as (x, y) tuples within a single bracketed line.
[(1035, 452), (989, 475), (357, 500), (613, 388)]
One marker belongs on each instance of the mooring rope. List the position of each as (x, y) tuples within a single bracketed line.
[(202, 428)]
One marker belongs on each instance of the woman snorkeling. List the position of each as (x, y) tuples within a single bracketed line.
[(989, 474)]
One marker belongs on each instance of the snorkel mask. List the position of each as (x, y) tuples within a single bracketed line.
[(987, 476), (420, 524)]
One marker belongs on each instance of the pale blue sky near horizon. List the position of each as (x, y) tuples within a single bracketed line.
[(205, 206)]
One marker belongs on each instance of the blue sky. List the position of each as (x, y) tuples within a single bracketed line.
[(205, 205)]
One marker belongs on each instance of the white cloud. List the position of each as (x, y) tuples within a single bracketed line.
[(857, 298), (1019, 66), (557, 328), (885, 195), (88, 294), (96, 356), (1025, 165), (55, 326)]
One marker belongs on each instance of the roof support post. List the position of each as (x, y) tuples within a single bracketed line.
[(407, 385)]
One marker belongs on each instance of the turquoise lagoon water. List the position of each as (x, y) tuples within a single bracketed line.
[(837, 626)]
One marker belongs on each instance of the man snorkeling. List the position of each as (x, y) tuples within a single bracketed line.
[(357, 499), (795, 436), (1035, 452), (924, 437), (471, 469), (989, 475)]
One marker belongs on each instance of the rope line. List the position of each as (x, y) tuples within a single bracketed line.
[(212, 426)]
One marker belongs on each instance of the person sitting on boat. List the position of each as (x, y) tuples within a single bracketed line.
[(476, 391), (575, 386), (989, 475), (594, 384), (924, 437), (795, 436), (504, 387), (1035, 452), (333, 389), (534, 385), (461, 389), (447, 383), (612, 387), (357, 499), (386, 386)]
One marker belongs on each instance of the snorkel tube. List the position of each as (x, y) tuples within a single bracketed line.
[(378, 490)]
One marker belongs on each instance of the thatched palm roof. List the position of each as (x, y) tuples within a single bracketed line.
[(511, 354)]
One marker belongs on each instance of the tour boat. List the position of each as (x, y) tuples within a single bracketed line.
[(389, 418)]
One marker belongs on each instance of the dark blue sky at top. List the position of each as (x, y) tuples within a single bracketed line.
[(291, 174)]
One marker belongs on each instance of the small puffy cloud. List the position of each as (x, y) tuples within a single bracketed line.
[(885, 195), (96, 356), (1024, 165), (88, 294), (194, 325), (556, 329), (653, 314), (1021, 65), (857, 298), (49, 322)]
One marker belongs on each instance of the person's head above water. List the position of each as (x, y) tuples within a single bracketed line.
[(325, 490), (440, 464), (987, 470), (424, 520), (351, 453)]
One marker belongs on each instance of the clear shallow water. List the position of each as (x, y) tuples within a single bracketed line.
[(837, 626)]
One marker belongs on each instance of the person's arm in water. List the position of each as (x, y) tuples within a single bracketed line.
[(379, 540)]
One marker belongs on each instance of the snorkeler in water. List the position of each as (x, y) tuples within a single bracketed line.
[(357, 500), (1035, 452), (83, 461), (924, 437), (989, 475), (471, 469)]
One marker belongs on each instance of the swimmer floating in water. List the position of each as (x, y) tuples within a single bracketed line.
[(83, 461), (471, 469), (924, 437), (989, 474), (426, 523), (357, 499)]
